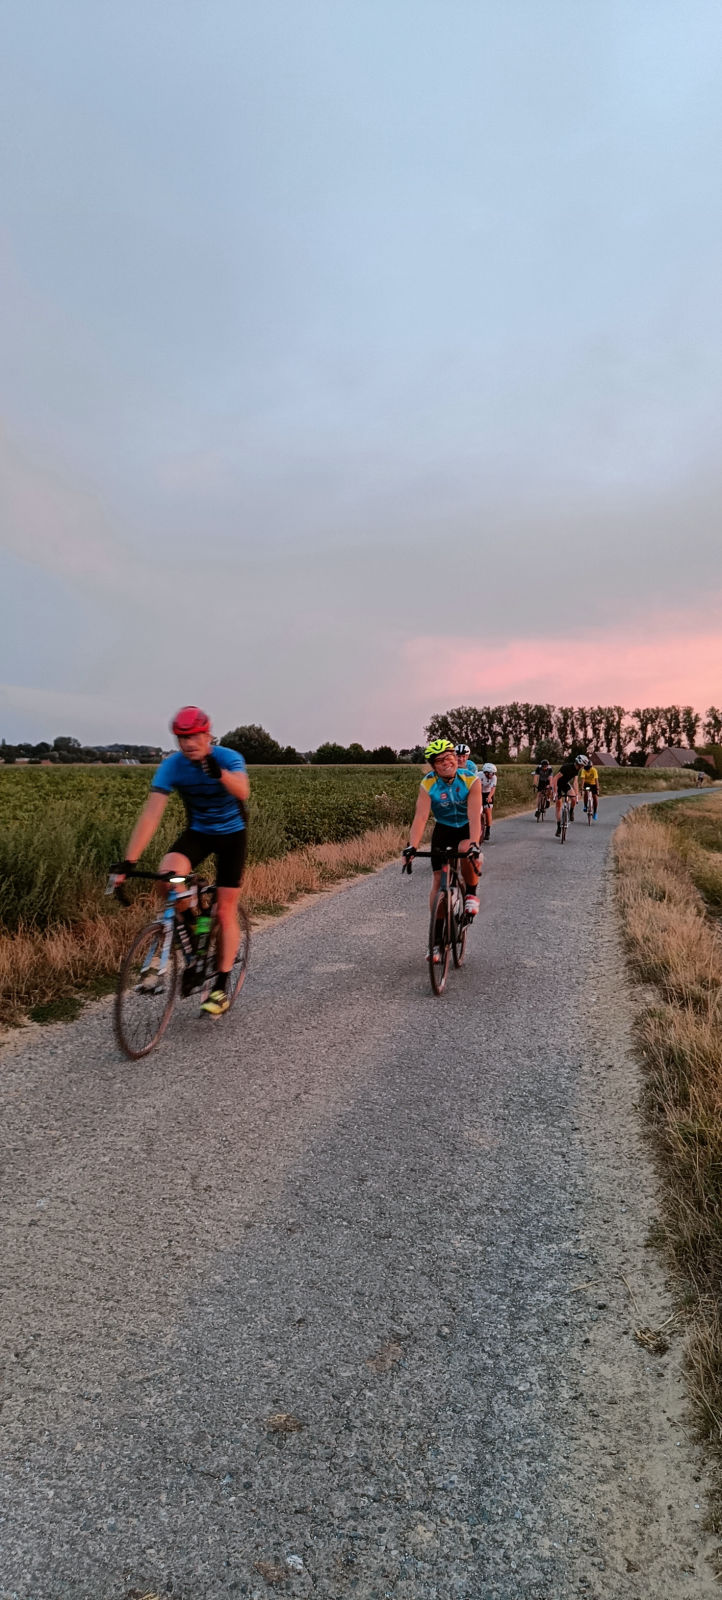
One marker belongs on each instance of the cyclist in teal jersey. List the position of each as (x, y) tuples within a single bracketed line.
[(465, 762), (454, 799), (213, 785)]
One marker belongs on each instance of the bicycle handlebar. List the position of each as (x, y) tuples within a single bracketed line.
[(448, 850), (118, 889)]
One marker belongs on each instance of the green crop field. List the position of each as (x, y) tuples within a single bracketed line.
[(62, 826)]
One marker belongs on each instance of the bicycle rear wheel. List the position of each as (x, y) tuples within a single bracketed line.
[(565, 819), (142, 1008), (240, 965), (459, 926), (440, 938)]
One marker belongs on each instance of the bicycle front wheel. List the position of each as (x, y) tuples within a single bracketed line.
[(439, 942), (146, 993), (458, 927)]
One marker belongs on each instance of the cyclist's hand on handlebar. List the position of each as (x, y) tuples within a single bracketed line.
[(408, 853), (473, 852), (119, 870)]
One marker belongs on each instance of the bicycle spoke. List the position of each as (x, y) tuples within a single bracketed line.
[(146, 992)]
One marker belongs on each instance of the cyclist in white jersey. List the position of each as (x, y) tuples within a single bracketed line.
[(488, 790)]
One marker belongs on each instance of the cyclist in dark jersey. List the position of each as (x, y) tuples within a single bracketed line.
[(566, 783), (542, 778), (213, 785)]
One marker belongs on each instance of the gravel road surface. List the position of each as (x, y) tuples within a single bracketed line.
[(338, 1296)]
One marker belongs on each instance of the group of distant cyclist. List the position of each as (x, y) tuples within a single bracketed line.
[(460, 798), (565, 785), (213, 783)]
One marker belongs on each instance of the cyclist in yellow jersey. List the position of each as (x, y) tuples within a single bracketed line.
[(590, 780)]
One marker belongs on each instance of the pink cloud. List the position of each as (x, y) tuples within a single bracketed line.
[(675, 661)]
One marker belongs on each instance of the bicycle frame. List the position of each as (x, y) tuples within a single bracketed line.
[(169, 920), (543, 801), (452, 919)]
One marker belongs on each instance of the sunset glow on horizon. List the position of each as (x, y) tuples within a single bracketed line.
[(681, 666)]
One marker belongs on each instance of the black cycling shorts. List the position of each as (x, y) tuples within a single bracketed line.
[(442, 836), (563, 787), (487, 800), (593, 788), (228, 848)]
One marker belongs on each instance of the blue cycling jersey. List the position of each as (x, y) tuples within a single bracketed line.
[(449, 801), (469, 767), (209, 807)]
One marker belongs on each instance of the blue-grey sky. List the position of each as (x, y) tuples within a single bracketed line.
[(358, 357)]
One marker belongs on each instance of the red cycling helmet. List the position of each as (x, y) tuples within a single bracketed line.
[(190, 719)]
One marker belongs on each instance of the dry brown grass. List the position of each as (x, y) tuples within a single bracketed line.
[(38, 967), (675, 944)]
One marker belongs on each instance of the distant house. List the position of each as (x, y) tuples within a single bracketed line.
[(673, 756), (604, 758)]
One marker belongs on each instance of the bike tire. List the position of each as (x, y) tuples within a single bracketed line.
[(564, 827), (438, 971), (238, 971), (459, 930), (138, 1041)]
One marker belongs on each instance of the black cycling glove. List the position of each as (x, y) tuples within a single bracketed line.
[(210, 766)]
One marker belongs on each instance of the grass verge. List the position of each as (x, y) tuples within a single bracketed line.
[(669, 865), (45, 973)]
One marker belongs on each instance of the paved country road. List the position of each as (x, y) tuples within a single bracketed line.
[(405, 1222)]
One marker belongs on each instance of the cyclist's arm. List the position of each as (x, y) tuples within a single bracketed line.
[(237, 783), (421, 817), (146, 825), (474, 812)]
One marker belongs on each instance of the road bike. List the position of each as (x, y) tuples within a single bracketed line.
[(588, 804), (567, 814), (167, 958), (449, 921), (542, 804)]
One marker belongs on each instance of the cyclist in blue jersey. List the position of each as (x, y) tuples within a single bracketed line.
[(213, 785), (454, 798)]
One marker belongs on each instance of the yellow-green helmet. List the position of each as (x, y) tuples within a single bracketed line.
[(438, 747)]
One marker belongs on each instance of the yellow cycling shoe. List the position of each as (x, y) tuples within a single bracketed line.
[(216, 1004)]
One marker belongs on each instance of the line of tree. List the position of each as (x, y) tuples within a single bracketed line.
[(260, 748), (508, 731), (66, 751)]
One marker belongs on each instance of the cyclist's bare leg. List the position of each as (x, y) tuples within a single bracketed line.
[(229, 928), (435, 886), (470, 872), (174, 862)]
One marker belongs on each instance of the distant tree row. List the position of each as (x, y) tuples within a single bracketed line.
[(258, 747), (66, 751), (521, 728)]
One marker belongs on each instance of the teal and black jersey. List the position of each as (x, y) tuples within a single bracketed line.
[(449, 801), (470, 767)]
